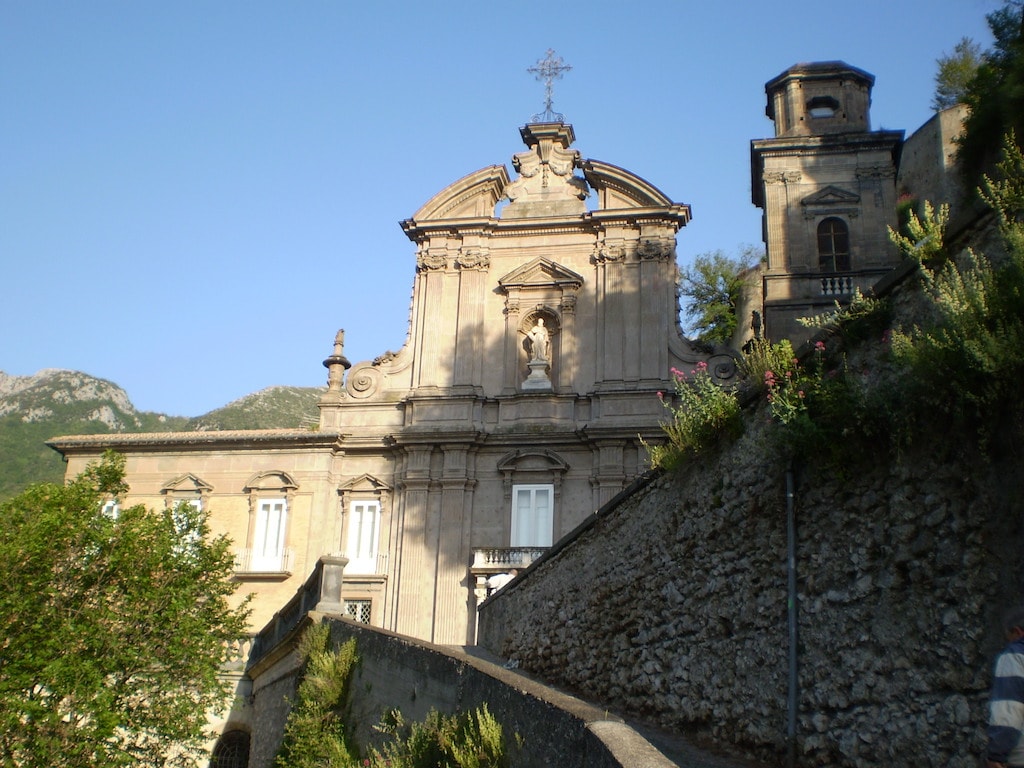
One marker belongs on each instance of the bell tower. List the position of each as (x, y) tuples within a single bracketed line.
[(826, 184)]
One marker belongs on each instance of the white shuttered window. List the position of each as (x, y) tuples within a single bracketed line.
[(532, 515)]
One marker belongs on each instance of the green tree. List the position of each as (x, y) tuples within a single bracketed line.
[(712, 289), (995, 95), (113, 626), (956, 70)]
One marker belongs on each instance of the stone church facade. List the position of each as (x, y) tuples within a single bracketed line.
[(544, 321)]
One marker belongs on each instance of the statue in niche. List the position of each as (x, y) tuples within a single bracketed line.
[(539, 340)]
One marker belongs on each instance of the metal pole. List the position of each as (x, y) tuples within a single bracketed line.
[(792, 703)]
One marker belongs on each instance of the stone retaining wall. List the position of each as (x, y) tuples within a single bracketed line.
[(673, 603)]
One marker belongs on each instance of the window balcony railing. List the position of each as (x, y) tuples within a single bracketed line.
[(374, 565), (837, 285), (250, 562), (824, 287), (498, 559)]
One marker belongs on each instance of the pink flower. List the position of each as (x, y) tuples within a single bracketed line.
[(702, 366), (800, 394), (677, 373), (661, 396), (819, 346)]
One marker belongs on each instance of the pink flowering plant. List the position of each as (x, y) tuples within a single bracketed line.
[(702, 413), (787, 383)]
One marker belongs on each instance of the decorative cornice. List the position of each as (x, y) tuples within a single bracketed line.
[(226, 439)]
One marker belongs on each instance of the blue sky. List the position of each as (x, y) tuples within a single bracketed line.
[(195, 196)]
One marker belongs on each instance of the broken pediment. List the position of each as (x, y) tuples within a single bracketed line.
[(830, 196), (618, 188), (540, 272), (547, 184), (472, 196)]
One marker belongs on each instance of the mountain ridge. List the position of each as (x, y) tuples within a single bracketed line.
[(56, 401)]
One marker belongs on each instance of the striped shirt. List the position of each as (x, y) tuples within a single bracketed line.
[(1006, 707)]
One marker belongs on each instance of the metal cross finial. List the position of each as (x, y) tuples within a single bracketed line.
[(548, 70)]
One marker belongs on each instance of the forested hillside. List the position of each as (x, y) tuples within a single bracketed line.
[(54, 402)]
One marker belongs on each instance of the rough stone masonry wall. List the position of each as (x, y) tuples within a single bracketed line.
[(673, 604)]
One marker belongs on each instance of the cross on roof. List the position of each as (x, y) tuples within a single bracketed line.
[(548, 70)]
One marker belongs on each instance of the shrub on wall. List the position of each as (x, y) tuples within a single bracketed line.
[(964, 360), (703, 414), (316, 733), (967, 363)]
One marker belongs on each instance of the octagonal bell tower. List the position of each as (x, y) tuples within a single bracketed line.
[(827, 186)]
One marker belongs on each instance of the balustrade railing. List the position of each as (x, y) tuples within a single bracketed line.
[(837, 285), (368, 566), (250, 561), (502, 558), (238, 653)]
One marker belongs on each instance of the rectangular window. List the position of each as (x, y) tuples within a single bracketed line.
[(268, 536), (183, 520), (363, 537), (532, 515)]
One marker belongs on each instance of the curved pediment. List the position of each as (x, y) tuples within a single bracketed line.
[(618, 188), (471, 196), (532, 459), (273, 480)]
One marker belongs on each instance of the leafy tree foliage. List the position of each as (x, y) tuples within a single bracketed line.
[(113, 627), (712, 289), (956, 70), (996, 94)]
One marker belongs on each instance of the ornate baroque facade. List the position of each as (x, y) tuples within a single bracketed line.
[(544, 322)]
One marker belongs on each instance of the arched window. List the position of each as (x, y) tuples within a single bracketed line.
[(232, 751), (833, 245)]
